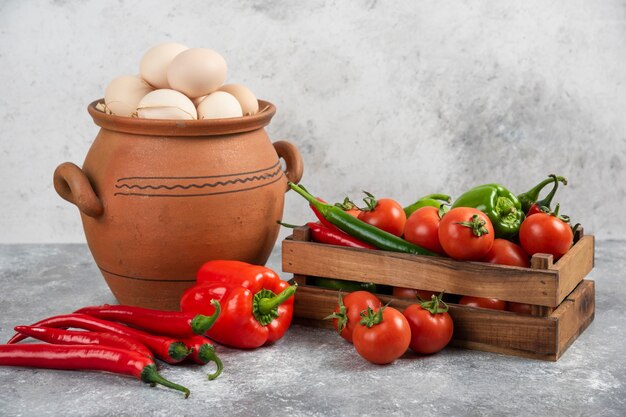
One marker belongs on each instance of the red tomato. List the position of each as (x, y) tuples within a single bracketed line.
[(430, 332), (505, 252), (349, 207), (385, 337), (401, 292), (354, 212), (348, 313), (466, 234), (422, 228), (386, 214), (492, 303), (545, 233), (519, 308)]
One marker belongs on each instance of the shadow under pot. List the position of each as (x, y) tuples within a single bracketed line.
[(158, 198)]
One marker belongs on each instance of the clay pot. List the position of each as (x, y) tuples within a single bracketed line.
[(158, 198)]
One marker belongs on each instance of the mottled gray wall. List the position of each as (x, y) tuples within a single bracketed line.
[(401, 98)]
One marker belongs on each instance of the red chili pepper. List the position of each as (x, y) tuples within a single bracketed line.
[(69, 337), (203, 352), (334, 236), (252, 312), (168, 323), (322, 219), (85, 357), (165, 348)]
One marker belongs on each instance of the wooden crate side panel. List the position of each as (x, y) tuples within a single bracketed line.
[(545, 338), (522, 285), (574, 266), (466, 344), (497, 329), (575, 314)]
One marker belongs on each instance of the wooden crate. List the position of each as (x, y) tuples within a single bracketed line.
[(563, 303)]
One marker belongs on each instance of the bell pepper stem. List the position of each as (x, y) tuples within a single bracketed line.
[(150, 375), (200, 324), (266, 305)]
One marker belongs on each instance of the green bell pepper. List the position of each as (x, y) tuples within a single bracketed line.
[(433, 200), (499, 204)]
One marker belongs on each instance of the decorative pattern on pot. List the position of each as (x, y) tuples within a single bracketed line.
[(158, 198), (198, 186)]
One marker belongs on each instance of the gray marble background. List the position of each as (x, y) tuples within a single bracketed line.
[(401, 98)]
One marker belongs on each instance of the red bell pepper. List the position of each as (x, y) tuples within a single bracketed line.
[(257, 306)]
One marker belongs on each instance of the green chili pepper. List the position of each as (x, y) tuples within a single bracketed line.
[(345, 286), (531, 196), (433, 200), (499, 204), (359, 229)]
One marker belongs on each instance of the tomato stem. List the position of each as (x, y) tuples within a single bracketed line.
[(341, 315), (477, 225), (435, 305), (555, 213), (346, 205), (371, 318), (370, 201)]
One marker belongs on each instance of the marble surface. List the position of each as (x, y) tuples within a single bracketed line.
[(398, 97), (312, 372)]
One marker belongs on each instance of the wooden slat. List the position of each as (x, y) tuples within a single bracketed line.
[(574, 266), (498, 329), (422, 272), (575, 314), (541, 261), (504, 332), (302, 233)]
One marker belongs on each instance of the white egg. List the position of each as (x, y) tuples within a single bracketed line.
[(166, 104), (154, 63), (123, 94), (219, 105), (197, 72), (245, 97), (196, 101)]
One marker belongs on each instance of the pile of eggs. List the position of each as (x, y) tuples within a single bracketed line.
[(177, 82)]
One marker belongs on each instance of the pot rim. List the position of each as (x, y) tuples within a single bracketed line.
[(163, 127)]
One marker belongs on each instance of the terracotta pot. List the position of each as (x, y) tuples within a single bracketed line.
[(158, 198)]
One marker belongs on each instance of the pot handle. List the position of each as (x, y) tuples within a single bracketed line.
[(293, 160), (71, 183)]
